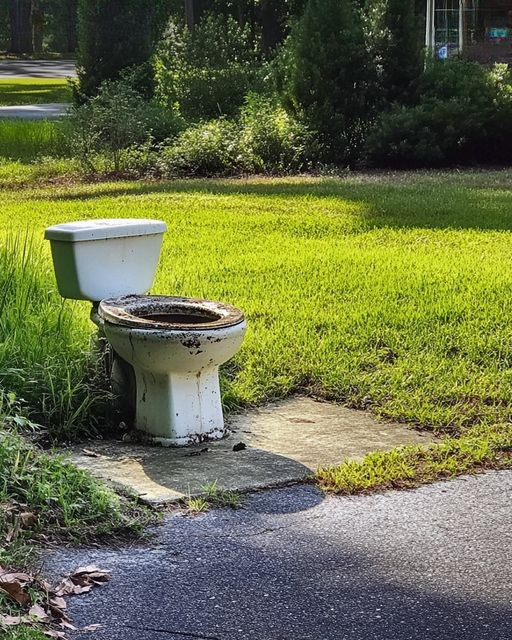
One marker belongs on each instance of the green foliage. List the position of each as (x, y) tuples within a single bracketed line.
[(266, 139), (327, 76), (114, 121), (392, 35), (207, 149), (276, 140), (462, 114), (115, 35), (207, 72)]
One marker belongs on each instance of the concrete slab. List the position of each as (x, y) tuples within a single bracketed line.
[(285, 442), (48, 111)]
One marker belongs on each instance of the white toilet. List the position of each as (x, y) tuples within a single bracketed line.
[(175, 345)]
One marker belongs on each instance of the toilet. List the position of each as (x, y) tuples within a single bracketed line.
[(171, 346)]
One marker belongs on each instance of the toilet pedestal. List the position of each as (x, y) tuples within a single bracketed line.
[(179, 409)]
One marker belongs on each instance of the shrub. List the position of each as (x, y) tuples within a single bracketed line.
[(277, 142), (207, 72), (327, 75), (463, 114), (207, 149), (115, 120)]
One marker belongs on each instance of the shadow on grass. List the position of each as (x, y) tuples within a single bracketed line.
[(433, 200)]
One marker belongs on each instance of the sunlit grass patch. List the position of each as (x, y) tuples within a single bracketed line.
[(478, 449), (21, 91)]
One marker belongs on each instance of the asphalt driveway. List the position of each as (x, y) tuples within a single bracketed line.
[(432, 563)]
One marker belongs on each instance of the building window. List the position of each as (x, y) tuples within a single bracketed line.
[(480, 30)]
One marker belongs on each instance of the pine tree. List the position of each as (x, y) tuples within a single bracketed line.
[(329, 76), (392, 31)]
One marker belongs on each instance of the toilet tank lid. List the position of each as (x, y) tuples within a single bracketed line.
[(83, 230)]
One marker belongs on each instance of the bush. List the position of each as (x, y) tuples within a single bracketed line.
[(115, 121), (207, 72), (328, 78), (276, 141), (463, 114), (208, 149)]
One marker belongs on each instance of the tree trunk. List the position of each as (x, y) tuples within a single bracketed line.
[(20, 15), (190, 14), (37, 29), (71, 25)]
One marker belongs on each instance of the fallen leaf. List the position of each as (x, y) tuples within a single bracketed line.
[(92, 627), (15, 591), (58, 602), (38, 612), (28, 518), (67, 625), (90, 454), (11, 621), (54, 634)]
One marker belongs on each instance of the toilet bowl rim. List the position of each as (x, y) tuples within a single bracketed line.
[(122, 311)]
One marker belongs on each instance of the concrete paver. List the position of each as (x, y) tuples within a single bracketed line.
[(285, 442), (428, 564)]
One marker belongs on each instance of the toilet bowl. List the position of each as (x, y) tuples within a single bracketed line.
[(175, 346), (167, 350)]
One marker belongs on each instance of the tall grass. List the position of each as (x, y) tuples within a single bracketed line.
[(27, 140), (44, 344)]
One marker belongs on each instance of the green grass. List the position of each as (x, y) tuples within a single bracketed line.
[(23, 633), (28, 140), (386, 292), (213, 497), (63, 504), (21, 91)]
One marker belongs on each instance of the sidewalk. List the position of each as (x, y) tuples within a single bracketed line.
[(35, 111), (428, 564)]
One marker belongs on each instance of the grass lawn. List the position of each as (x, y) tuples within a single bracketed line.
[(20, 91), (27, 140), (391, 293)]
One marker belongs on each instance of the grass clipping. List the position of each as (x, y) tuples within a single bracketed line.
[(480, 448)]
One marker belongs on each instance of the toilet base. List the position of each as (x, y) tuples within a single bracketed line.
[(177, 409)]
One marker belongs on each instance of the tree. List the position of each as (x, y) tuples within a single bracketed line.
[(114, 35), (328, 78), (392, 30), (20, 17)]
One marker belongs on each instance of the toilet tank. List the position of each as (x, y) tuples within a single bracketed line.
[(97, 259)]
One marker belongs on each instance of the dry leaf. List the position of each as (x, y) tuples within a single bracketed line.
[(54, 634), (67, 625), (90, 454), (92, 627), (11, 621), (58, 602), (15, 591), (28, 518), (38, 612)]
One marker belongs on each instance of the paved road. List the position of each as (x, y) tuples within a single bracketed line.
[(430, 564), (37, 68), (35, 111)]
